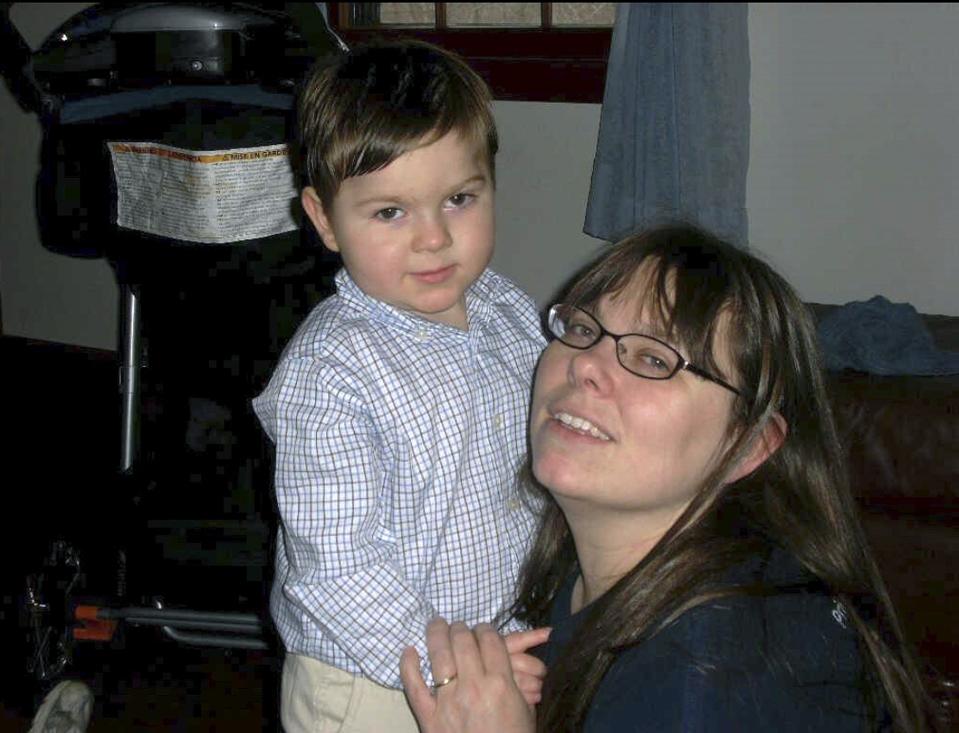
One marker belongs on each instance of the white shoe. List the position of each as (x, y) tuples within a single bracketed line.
[(65, 709)]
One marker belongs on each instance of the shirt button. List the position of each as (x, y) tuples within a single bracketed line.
[(513, 504), (497, 421), (422, 335)]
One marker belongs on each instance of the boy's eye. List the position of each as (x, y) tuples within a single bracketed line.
[(459, 200), (390, 213)]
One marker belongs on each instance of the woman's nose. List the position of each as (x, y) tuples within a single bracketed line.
[(432, 235), (594, 367)]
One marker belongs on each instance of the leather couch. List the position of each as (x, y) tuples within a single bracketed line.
[(902, 438)]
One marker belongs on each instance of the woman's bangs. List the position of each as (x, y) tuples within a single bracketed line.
[(700, 301), (681, 290)]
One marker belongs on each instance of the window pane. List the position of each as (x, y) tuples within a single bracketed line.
[(419, 14), (584, 14), (493, 14)]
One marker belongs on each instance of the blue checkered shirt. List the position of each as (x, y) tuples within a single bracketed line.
[(397, 447)]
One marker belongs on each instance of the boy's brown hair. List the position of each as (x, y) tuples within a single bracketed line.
[(381, 100)]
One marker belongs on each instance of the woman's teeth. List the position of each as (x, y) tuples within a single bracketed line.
[(580, 425)]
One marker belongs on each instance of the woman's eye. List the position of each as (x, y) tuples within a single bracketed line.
[(579, 330), (391, 213), (654, 362)]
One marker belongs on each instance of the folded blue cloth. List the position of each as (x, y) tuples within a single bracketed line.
[(880, 337)]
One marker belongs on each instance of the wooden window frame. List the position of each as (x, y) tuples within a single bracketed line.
[(546, 64)]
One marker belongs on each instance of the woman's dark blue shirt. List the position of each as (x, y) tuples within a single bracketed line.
[(782, 662)]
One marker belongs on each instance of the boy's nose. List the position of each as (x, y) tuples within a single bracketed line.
[(433, 235)]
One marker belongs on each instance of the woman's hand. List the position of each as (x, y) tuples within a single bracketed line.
[(481, 696)]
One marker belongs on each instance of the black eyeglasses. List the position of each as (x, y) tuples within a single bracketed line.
[(644, 356)]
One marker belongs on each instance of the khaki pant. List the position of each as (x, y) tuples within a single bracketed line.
[(318, 698)]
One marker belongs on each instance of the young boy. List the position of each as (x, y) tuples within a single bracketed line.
[(399, 408)]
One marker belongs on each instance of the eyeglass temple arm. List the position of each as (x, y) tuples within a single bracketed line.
[(706, 375)]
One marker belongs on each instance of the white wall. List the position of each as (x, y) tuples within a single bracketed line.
[(542, 177), (43, 295), (853, 185)]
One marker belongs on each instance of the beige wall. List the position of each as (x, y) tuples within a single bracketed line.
[(852, 191)]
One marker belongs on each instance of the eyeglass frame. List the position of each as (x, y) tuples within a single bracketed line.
[(681, 365)]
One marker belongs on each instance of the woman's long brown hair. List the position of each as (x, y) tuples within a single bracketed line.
[(798, 499)]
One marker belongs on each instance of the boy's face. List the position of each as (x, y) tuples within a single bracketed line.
[(417, 233)]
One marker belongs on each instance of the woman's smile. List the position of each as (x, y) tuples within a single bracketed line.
[(580, 425)]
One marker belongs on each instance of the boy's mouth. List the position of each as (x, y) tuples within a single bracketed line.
[(435, 276)]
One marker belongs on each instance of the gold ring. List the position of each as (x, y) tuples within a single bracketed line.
[(444, 682)]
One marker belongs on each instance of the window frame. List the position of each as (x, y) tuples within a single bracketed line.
[(546, 64)]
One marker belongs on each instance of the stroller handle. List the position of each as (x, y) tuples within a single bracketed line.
[(16, 69)]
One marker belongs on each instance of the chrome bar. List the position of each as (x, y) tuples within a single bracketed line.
[(157, 616), (129, 375), (214, 640)]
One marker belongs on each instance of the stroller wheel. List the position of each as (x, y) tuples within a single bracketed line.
[(46, 611)]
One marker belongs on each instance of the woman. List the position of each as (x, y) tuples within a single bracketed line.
[(699, 560)]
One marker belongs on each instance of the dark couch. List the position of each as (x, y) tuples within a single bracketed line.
[(902, 437)]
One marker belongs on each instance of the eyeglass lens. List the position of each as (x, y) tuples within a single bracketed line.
[(641, 355)]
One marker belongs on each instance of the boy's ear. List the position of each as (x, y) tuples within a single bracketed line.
[(317, 214), (772, 436)]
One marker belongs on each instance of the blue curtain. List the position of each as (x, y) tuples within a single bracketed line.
[(674, 128)]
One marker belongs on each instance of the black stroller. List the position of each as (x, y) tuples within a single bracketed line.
[(165, 130)]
